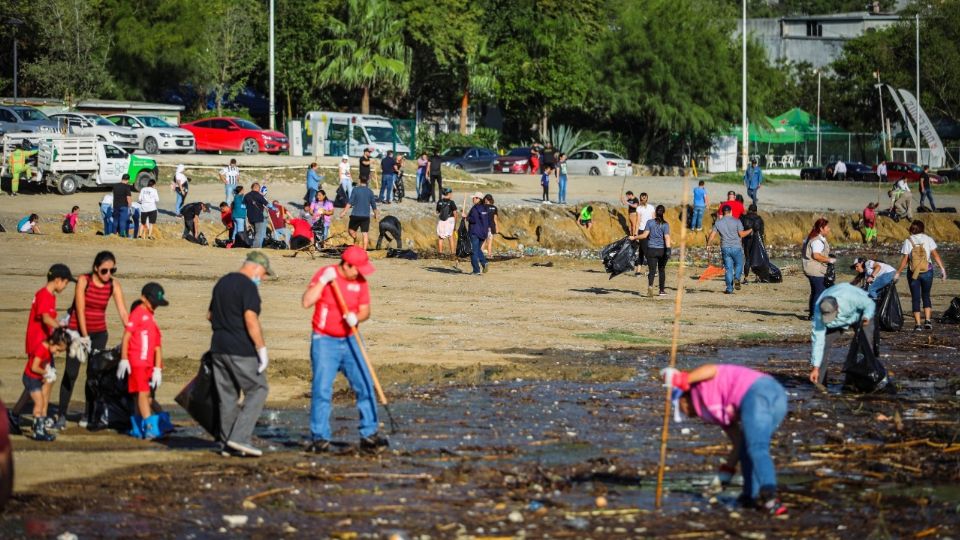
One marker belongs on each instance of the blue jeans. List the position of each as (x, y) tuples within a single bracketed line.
[(420, 173), (227, 195), (761, 411), (562, 190), (879, 283), (386, 187), (733, 264), (816, 289), (477, 258), (135, 219), (752, 193), (239, 226), (179, 205), (928, 194), (697, 221), (106, 213), (121, 218), (347, 186), (282, 234), (259, 233), (328, 355), (311, 196), (920, 289)]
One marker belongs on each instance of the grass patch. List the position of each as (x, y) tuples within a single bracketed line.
[(625, 336), (757, 336), (737, 178)]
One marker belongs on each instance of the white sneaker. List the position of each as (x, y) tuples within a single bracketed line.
[(245, 449)]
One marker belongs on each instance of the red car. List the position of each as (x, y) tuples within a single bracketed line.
[(235, 135), (515, 162), (898, 169)]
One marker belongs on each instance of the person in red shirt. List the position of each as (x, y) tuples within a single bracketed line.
[(735, 202), (226, 217), (141, 358), (40, 325), (39, 375), (302, 233), (334, 347)]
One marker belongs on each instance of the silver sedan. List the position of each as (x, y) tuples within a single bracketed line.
[(598, 163)]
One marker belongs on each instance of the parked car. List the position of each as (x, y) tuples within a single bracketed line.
[(20, 118), (98, 126), (154, 134), (235, 135), (598, 163), (469, 158), (517, 161), (949, 174), (856, 171), (909, 171)]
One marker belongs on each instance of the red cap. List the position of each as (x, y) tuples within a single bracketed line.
[(356, 256)]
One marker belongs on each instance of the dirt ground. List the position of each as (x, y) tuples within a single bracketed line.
[(448, 346)]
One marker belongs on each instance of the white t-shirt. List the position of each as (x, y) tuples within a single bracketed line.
[(27, 227), (344, 170), (107, 199), (231, 173), (870, 266), (818, 245), (919, 239), (841, 167), (881, 170), (136, 206), (645, 212), (902, 185), (148, 199), (181, 179)]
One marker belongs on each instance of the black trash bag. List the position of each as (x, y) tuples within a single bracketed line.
[(340, 200), (200, 239), (199, 398), (830, 277), (464, 249), (864, 371), (773, 274), (221, 242), (952, 314), (889, 310), (619, 257), (110, 404), (243, 239), (407, 254), (759, 260)]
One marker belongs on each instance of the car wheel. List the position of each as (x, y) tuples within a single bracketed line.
[(594, 171), (143, 179), (68, 184), (250, 147), (458, 167), (150, 145)]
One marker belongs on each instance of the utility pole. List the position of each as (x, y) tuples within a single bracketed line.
[(819, 71), (273, 107), (917, 116), (743, 103), (883, 123)]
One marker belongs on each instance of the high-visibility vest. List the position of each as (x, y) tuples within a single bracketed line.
[(18, 159)]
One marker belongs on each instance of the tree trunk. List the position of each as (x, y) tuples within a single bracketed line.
[(289, 107), (219, 101), (365, 102), (544, 134), (464, 109)]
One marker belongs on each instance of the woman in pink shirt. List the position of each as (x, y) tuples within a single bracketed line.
[(749, 406)]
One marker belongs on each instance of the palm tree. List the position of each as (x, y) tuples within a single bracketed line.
[(365, 50), (480, 79)]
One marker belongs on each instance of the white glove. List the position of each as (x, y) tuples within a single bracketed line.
[(351, 319), (80, 346), (50, 374), (156, 379), (65, 320), (123, 368), (832, 261), (263, 359), (667, 375), (328, 275)]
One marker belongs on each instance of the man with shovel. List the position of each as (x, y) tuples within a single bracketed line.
[(340, 299)]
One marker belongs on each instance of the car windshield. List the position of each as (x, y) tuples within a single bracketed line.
[(381, 134), (99, 120), (456, 151), (246, 124), (916, 169), (29, 115), (610, 155), (153, 121), (520, 152)]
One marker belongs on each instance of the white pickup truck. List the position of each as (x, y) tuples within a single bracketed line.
[(68, 162)]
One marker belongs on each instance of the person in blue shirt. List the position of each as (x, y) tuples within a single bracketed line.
[(838, 308), (239, 209), (752, 180), (313, 184), (479, 220), (700, 204)]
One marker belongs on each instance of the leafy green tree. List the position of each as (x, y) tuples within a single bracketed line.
[(479, 78), (231, 51), (366, 48), (298, 26)]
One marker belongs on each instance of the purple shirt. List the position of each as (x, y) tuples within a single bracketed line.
[(326, 205), (718, 400)]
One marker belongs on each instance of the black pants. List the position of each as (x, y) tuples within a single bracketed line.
[(833, 334), (656, 264), (98, 342), (641, 253), (546, 192), (436, 187)]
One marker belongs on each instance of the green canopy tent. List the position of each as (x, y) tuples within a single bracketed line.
[(803, 123)]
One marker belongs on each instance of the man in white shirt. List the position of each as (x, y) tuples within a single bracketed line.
[(346, 182), (148, 199), (882, 172), (645, 212), (106, 213), (230, 176), (840, 171), (180, 187)]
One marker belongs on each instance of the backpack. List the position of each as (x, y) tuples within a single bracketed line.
[(65, 226), (918, 259)]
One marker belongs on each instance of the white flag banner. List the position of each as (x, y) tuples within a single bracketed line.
[(906, 117), (925, 127)]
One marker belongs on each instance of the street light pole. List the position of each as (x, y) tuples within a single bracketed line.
[(15, 23), (273, 108), (819, 72), (743, 103), (883, 122), (917, 117)]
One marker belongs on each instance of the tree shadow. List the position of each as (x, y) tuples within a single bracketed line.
[(767, 313), (444, 270), (604, 290)]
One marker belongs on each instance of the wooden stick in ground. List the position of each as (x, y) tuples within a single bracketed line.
[(355, 332), (677, 309)]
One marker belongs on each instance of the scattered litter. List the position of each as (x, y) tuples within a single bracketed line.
[(236, 520), (601, 502), (515, 517), (67, 536)]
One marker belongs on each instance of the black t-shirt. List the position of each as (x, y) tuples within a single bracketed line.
[(632, 209), (255, 204), (924, 182), (492, 208), (549, 157), (365, 167), (435, 163), (120, 193), (233, 295), (387, 164), (446, 208), (190, 211)]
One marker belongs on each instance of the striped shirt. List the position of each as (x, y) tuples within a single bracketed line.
[(231, 174), (95, 308)]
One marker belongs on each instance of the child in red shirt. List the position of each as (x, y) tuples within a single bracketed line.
[(39, 375), (142, 359)]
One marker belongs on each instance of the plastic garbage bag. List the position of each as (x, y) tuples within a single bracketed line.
[(864, 371), (109, 405), (199, 398), (890, 312), (619, 257), (464, 249)]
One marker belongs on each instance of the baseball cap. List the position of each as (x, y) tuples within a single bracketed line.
[(60, 271), (478, 195), (356, 256), (828, 309), (344, 157), (153, 292), (447, 191), (257, 257), (858, 260)]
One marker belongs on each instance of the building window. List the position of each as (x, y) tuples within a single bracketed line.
[(814, 29)]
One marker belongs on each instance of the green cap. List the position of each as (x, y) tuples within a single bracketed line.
[(257, 257)]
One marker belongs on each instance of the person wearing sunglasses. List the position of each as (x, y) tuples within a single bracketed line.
[(88, 316)]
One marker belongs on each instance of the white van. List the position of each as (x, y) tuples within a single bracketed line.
[(349, 133)]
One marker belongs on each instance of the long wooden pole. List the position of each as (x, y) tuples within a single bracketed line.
[(677, 309), (354, 331)]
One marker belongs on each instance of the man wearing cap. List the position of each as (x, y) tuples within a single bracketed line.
[(334, 347), (344, 174), (838, 308), (388, 175), (239, 353), (446, 221), (141, 359), (479, 220), (752, 179), (362, 202)]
